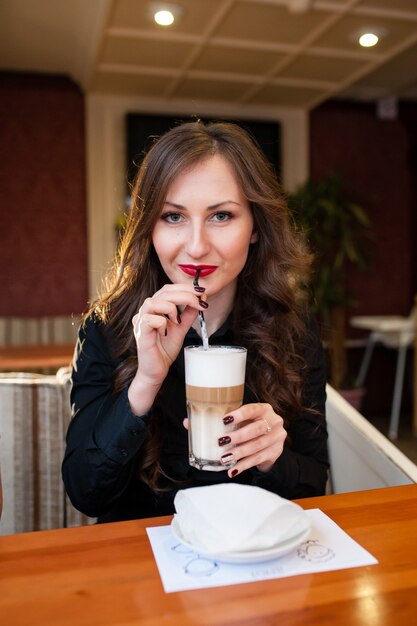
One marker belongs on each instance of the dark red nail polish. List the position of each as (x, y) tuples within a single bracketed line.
[(166, 332), (204, 304), (223, 441), (179, 318), (199, 289), (234, 472), (228, 420)]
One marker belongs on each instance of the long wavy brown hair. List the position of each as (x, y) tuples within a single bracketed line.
[(269, 316)]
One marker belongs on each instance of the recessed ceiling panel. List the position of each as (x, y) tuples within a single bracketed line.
[(285, 96), (152, 86), (361, 94), (139, 52), (267, 22), (320, 68), (198, 89), (222, 59), (398, 73)]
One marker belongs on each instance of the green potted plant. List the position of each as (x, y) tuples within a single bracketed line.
[(339, 233)]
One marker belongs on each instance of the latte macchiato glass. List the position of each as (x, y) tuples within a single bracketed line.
[(214, 382)]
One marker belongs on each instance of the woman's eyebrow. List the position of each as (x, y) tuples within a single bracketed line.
[(219, 204), (209, 208), (174, 205)]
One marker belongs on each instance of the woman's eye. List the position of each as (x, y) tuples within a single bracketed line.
[(172, 218), (222, 216)]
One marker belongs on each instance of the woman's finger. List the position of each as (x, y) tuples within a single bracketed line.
[(174, 287), (258, 439), (253, 429), (178, 297), (255, 454), (153, 306), (263, 457), (269, 443), (153, 322), (250, 412)]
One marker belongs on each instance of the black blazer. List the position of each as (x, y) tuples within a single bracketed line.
[(105, 439)]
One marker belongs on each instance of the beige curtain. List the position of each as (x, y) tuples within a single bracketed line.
[(34, 415)]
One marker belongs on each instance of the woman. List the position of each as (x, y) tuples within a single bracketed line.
[(204, 199)]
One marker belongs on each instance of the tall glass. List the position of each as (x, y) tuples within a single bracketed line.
[(214, 381)]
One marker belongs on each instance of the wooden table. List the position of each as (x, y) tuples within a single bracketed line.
[(35, 357), (106, 575)]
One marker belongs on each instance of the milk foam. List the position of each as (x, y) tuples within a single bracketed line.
[(219, 366)]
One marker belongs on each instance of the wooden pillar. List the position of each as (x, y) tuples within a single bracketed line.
[(338, 358)]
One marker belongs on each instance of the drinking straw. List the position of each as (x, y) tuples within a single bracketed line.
[(201, 317)]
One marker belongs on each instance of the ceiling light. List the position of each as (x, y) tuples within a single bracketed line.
[(367, 40), (164, 18), (164, 13)]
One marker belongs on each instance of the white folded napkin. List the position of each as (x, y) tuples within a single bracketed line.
[(229, 518)]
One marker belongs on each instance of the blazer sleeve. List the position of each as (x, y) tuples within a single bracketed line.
[(302, 469), (104, 437)]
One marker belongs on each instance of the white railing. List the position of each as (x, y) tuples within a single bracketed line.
[(361, 457)]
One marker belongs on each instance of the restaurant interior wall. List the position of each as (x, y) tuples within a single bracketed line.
[(377, 161), (43, 251)]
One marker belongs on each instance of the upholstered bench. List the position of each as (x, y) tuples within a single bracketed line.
[(34, 415)]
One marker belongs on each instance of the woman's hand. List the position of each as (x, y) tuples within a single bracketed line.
[(259, 439), (159, 332)]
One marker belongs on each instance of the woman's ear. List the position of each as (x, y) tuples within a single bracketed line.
[(254, 237)]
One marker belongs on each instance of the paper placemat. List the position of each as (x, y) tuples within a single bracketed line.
[(327, 548)]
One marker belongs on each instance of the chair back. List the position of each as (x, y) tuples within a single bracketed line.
[(34, 415)]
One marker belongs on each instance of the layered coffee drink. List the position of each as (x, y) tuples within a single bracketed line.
[(214, 386)]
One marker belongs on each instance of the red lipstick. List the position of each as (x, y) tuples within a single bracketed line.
[(191, 270)]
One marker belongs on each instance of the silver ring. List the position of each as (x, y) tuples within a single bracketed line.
[(268, 426)]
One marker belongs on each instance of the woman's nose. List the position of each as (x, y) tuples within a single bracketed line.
[(198, 242)]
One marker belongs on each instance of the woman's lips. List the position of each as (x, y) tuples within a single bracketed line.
[(191, 270)]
